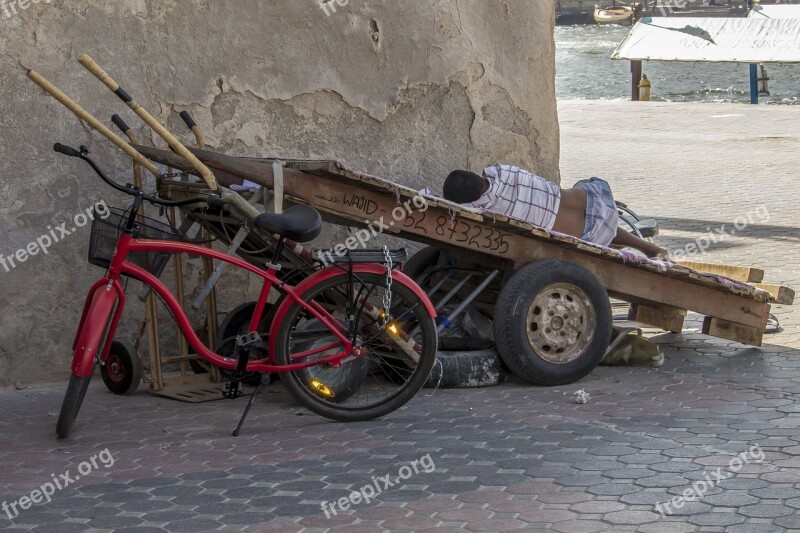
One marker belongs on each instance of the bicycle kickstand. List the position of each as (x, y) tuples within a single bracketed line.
[(261, 383)]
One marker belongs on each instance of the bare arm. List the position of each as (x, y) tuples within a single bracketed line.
[(630, 240)]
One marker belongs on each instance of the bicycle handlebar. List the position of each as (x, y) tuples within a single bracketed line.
[(66, 150), (82, 153)]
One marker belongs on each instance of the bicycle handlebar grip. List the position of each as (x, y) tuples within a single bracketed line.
[(188, 120), (66, 150), (118, 122)]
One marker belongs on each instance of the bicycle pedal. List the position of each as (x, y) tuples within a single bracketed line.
[(232, 390), (248, 339)]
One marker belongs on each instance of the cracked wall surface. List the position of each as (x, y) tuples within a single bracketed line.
[(406, 89)]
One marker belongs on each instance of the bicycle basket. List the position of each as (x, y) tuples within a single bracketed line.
[(105, 231)]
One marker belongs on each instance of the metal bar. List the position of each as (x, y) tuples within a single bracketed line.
[(241, 235), (468, 300), (438, 286), (453, 291)]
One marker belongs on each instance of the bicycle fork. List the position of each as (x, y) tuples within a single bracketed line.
[(101, 314)]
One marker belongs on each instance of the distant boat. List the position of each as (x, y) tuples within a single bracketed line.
[(618, 15)]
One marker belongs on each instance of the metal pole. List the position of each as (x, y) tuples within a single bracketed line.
[(753, 83), (636, 76)]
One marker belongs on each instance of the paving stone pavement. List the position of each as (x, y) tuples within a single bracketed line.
[(501, 458)]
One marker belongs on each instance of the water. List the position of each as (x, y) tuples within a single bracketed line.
[(585, 72)]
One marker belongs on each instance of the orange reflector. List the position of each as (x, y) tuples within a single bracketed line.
[(320, 387)]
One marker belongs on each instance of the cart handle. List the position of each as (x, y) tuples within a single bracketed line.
[(174, 143), (123, 127), (192, 125), (84, 115)]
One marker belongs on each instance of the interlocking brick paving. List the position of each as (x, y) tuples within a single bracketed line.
[(508, 457)]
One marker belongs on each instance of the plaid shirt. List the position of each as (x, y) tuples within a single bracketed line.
[(517, 193)]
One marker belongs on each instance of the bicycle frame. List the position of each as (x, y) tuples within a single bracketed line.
[(107, 293), (106, 296)]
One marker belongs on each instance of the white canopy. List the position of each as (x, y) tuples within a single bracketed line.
[(789, 11), (739, 40)]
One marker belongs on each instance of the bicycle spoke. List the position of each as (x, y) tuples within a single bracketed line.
[(390, 356)]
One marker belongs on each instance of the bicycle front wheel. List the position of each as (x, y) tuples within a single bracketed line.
[(397, 348), (76, 391)]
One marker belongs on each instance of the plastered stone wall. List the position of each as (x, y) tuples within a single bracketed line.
[(407, 89)]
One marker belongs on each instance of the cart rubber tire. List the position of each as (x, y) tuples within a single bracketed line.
[(538, 354), (231, 326), (464, 344), (76, 391), (122, 372), (467, 370), (420, 261)]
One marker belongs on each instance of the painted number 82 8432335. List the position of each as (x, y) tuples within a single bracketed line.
[(472, 235)]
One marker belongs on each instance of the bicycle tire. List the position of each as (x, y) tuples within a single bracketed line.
[(76, 391), (345, 412)]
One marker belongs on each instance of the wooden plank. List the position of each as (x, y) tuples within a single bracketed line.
[(662, 316), (724, 329), (780, 294), (738, 273)]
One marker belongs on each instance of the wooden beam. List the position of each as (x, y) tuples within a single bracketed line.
[(724, 329), (738, 273), (782, 295), (662, 316)]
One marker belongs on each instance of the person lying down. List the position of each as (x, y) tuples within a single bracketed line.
[(586, 211)]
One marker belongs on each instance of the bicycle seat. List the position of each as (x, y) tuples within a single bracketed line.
[(299, 223)]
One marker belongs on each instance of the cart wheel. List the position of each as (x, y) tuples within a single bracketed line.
[(122, 372), (553, 322), (421, 262), (466, 370)]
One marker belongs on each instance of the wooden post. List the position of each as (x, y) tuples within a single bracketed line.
[(636, 76)]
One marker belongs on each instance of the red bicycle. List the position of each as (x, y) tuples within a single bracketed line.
[(354, 341)]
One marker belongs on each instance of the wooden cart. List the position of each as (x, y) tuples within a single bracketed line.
[(735, 303)]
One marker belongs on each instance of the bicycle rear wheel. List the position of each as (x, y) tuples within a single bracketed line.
[(396, 360)]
